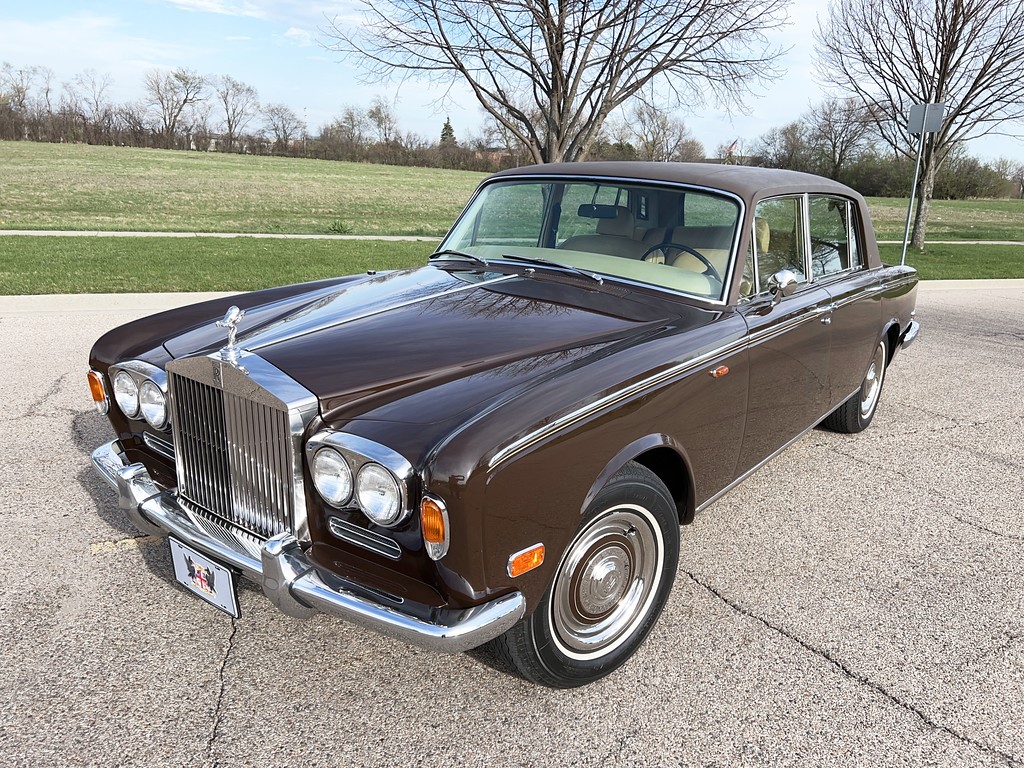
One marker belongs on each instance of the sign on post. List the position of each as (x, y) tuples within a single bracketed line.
[(924, 119)]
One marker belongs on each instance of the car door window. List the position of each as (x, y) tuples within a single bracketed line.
[(833, 243), (778, 239)]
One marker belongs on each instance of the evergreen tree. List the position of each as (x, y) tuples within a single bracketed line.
[(448, 134)]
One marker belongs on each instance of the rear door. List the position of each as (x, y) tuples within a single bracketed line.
[(790, 340), (837, 265)]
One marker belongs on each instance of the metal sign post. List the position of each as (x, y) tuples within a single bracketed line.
[(924, 119)]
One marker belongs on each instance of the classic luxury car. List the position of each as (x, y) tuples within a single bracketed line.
[(501, 445)]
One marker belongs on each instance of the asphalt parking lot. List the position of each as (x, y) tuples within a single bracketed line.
[(859, 601)]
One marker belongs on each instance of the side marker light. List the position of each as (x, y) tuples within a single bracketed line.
[(719, 372), (98, 391), (525, 560)]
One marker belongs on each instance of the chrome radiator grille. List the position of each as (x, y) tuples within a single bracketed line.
[(235, 457)]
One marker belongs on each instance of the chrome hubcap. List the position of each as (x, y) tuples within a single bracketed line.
[(872, 382), (607, 581)]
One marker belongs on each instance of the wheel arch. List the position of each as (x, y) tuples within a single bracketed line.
[(666, 459), (892, 338)]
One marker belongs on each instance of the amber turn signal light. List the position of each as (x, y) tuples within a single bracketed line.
[(525, 560), (434, 525), (98, 391), (719, 372), (433, 522)]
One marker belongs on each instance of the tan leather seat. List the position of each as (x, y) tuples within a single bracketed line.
[(614, 237)]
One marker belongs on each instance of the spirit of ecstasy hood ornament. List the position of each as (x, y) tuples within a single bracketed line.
[(231, 320)]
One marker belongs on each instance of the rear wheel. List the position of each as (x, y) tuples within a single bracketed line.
[(856, 413), (609, 587)]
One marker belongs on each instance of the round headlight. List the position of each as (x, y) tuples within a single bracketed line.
[(126, 394), (332, 476), (378, 494), (154, 405)]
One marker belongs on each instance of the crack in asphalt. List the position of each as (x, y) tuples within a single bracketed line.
[(1005, 757), (934, 495), (35, 409), (220, 695)]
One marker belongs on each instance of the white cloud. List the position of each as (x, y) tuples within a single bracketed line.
[(73, 43), (221, 7), (302, 37)]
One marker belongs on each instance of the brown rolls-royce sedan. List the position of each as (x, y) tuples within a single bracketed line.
[(501, 445)]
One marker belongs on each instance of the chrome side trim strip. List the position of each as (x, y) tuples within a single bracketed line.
[(610, 399), (771, 456), (574, 416)]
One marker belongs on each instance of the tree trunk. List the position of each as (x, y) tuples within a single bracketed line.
[(924, 200)]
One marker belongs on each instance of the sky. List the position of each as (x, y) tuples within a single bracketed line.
[(276, 47)]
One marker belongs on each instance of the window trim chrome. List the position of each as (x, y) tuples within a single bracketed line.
[(556, 177)]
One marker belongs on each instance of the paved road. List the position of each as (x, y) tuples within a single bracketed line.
[(857, 602)]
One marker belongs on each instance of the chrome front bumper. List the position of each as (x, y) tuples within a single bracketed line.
[(288, 578)]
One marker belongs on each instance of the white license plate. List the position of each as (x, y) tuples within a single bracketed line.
[(205, 578)]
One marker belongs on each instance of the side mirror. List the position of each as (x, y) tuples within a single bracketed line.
[(783, 283)]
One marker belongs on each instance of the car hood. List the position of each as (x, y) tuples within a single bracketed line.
[(422, 345)]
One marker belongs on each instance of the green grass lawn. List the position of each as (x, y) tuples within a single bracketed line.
[(80, 187), (961, 262), (41, 265), (952, 219)]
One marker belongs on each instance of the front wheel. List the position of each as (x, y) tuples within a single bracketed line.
[(609, 587), (856, 413)]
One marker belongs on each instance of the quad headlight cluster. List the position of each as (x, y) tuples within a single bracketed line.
[(351, 472), (140, 391)]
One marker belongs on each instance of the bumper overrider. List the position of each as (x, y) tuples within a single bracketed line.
[(287, 576)]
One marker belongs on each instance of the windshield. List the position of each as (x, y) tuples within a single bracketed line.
[(672, 237)]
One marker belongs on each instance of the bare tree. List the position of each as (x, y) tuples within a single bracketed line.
[(785, 147), (134, 123), (967, 54), (383, 120), (551, 73), (169, 93), (661, 137), (86, 94), (283, 124), (384, 123), (240, 102), (837, 130)]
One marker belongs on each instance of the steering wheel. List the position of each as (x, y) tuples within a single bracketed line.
[(710, 271)]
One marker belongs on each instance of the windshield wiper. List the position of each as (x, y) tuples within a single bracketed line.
[(461, 255), (549, 263)]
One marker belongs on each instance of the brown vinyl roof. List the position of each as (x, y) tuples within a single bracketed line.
[(745, 181)]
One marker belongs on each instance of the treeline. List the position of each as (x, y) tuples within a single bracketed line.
[(182, 109), (839, 139)]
